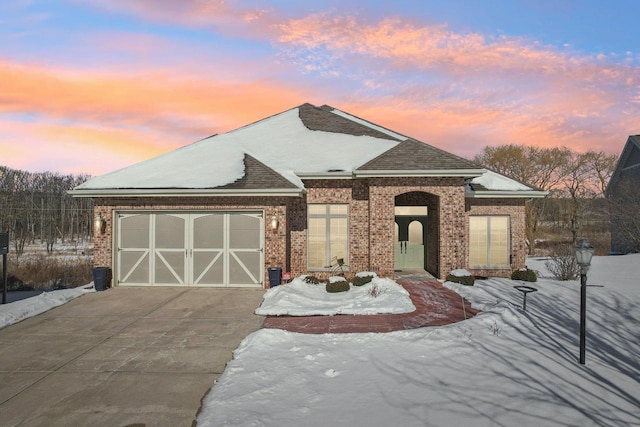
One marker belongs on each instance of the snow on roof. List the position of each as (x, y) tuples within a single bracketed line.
[(281, 142), (496, 182)]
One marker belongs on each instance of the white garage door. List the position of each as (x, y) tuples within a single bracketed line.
[(194, 249)]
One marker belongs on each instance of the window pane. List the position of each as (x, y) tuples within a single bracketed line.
[(317, 209), (338, 239), (317, 242), (478, 245), (338, 209), (499, 238)]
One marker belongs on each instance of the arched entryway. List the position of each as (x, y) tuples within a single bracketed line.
[(416, 232)]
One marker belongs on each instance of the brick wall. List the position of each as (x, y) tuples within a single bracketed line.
[(275, 241), (447, 242), (371, 223), (515, 209)]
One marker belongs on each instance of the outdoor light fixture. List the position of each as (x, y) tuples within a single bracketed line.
[(274, 222), (584, 252), (100, 224)]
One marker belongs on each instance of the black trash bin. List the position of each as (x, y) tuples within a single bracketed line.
[(275, 275), (101, 278)]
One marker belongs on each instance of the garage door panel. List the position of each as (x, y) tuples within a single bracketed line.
[(134, 267), (208, 232), (134, 231), (169, 268), (170, 232), (244, 268), (208, 268), (244, 231)]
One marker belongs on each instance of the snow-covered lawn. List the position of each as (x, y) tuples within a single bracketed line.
[(19, 310), (299, 298), (503, 367)]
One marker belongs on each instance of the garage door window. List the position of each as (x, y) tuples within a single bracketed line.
[(328, 234)]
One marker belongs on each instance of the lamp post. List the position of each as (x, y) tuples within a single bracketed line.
[(584, 252)]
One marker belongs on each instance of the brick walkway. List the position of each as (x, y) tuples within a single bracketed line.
[(435, 306)]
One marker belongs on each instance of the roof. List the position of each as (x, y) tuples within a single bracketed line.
[(274, 155), (629, 161)]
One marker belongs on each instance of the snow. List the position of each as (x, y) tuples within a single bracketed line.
[(460, 272), (281, 142), (299, 298), (503, 367), (496, 182), (20, 310)]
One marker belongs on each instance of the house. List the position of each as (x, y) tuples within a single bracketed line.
[(623, 193), (299, 190)]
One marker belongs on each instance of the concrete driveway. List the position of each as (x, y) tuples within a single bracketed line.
[(125, 356)]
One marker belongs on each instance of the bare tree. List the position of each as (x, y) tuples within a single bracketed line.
[(541, 168)]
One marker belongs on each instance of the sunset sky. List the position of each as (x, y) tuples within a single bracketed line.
[(90, 86)]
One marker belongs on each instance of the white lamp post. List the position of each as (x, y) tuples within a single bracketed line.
[(584, 252)]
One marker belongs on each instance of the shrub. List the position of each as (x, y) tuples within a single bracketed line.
[(359, 281), (563, 265), (525, 275), (338, 286), (463, 280), (45, 272), (312, 280)]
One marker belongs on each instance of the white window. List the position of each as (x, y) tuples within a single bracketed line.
[(489, 241), (328, 234)]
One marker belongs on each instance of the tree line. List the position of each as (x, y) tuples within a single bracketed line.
[(36, 206), (576, 183)]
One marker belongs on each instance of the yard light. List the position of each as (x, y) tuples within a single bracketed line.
[(584, 252), (100, 224)]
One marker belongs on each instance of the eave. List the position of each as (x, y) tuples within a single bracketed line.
[(437, 173), (188, 192), (505, 194)]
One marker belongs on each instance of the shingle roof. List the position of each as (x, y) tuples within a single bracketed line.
[(276, 154), (414, 155), (257, 175), (322, 119)]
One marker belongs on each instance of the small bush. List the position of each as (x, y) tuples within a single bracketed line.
[(525, 275), (376, 291), (463, 280), (338, 286), (359, 281), (312, 280), (563, 264)]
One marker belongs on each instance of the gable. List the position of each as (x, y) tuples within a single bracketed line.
[(414, 155), (628, 165)]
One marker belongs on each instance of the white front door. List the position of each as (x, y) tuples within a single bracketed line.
[(196, 248)]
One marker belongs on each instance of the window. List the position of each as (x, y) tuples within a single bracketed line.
[(489, 241), (328, 234)]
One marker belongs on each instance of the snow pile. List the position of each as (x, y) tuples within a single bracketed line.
[(460, 272), (20, 310), (299, 298), (502, 367)]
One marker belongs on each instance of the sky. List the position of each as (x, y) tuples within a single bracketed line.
[(90, 86)]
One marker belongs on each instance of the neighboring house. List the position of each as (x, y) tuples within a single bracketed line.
[(623, 193), (297, 190)]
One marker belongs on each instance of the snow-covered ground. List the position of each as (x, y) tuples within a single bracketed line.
[(303, 299), (503, 367), (19, 310)]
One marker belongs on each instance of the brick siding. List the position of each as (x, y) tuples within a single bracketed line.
[(371, 222)]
